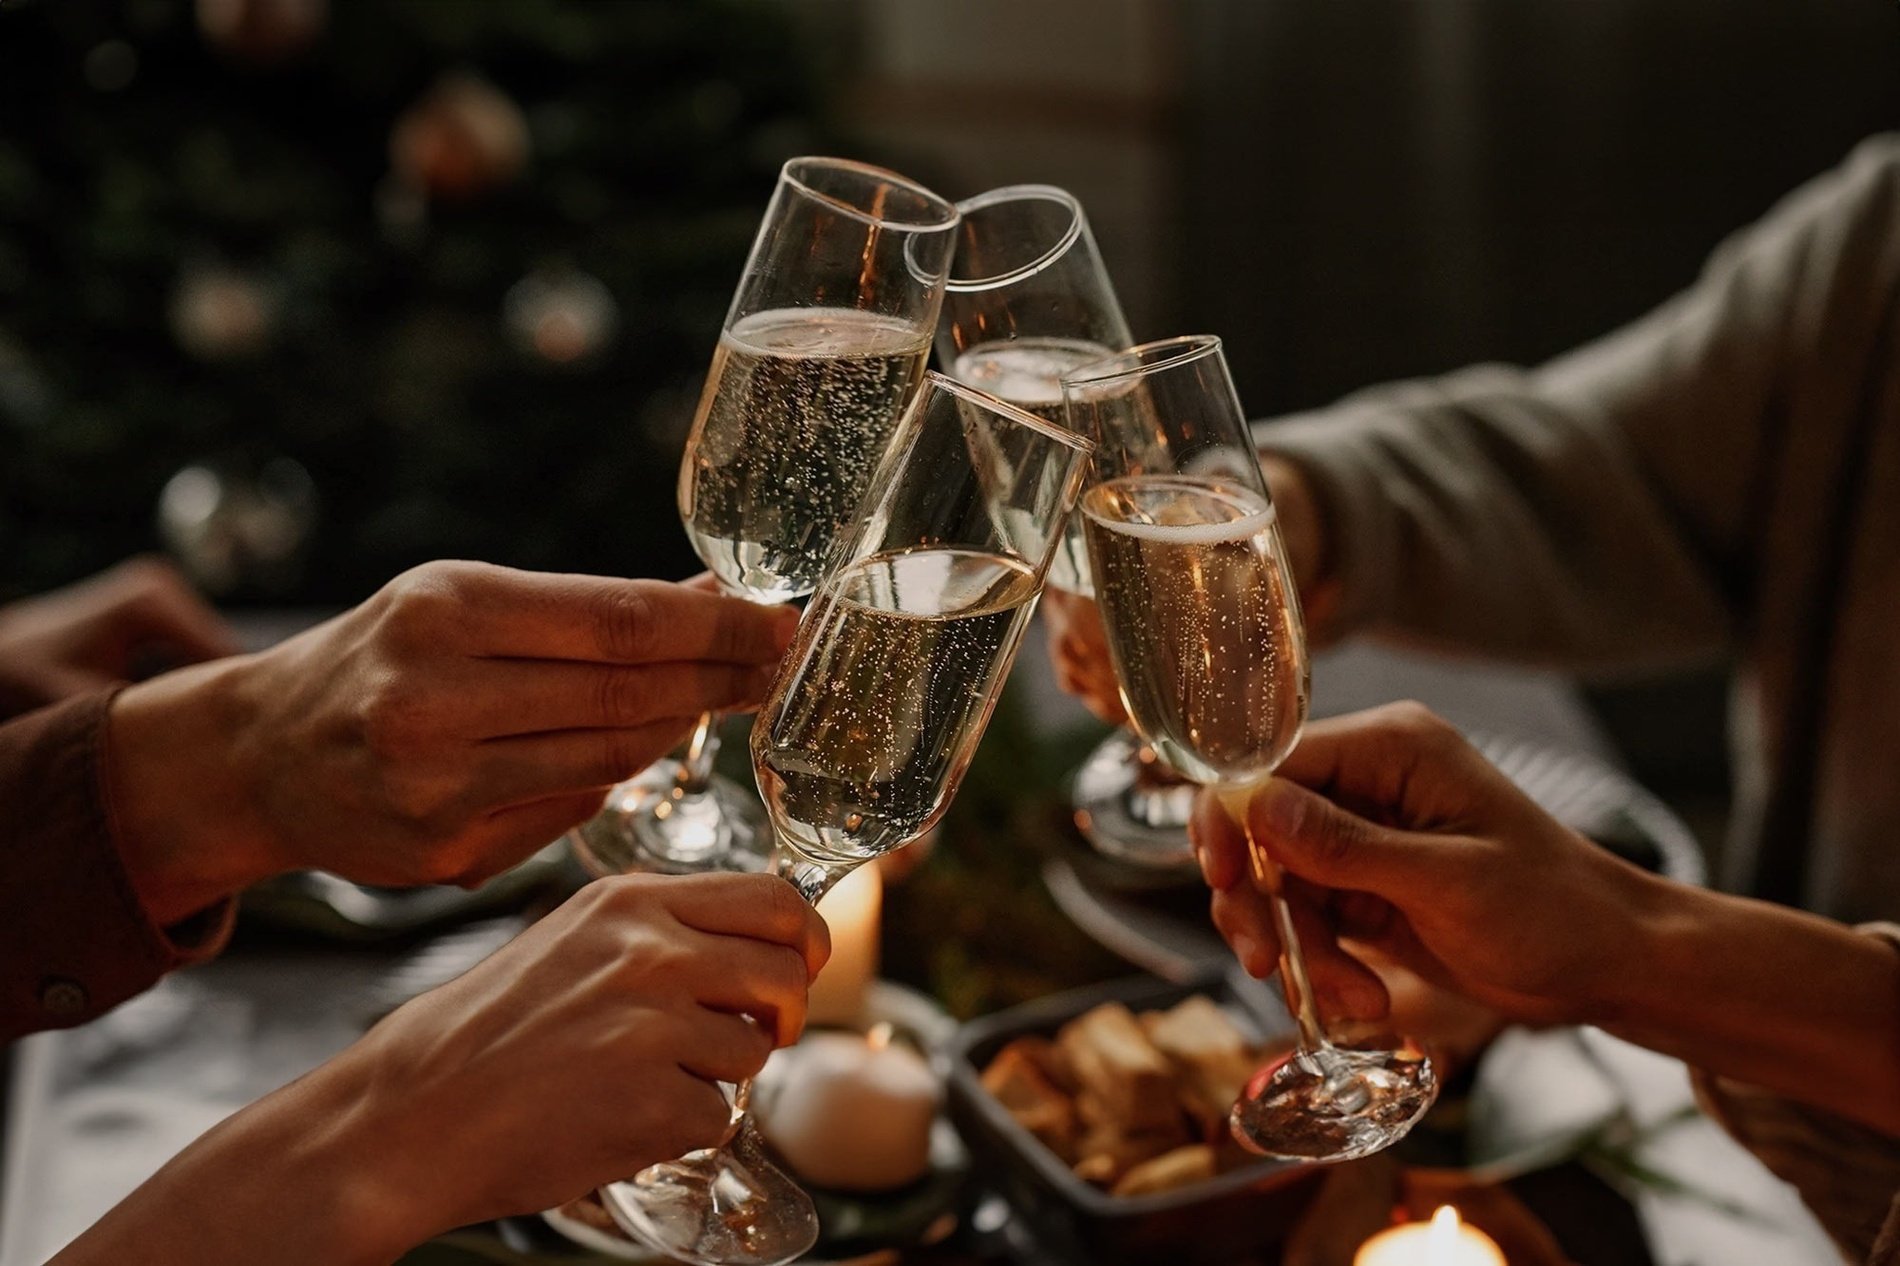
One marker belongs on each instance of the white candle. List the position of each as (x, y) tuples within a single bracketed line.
[(854, 1113), (1444, 1241), (852, 911)]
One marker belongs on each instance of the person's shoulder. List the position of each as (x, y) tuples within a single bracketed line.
[(1876, 159), (1852, 211)]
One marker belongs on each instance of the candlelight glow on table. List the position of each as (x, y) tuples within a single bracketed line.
[(1447, 1240)]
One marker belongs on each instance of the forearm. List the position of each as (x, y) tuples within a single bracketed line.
[(295, 1178), (1603, 510), (181, 811), (1777, 998), (1473, 512)]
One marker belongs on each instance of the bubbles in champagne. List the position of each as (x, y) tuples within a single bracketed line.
[(797, 410), (1202, 621), (872, 723), (1027, 372)]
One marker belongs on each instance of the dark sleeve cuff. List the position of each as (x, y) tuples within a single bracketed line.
[(74, 939)]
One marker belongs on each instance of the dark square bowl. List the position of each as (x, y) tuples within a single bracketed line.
[(1238, 1212)]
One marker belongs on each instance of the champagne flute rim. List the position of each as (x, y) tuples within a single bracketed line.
[(984, 400), (1020, 193), (1143, 358), (948, 219)]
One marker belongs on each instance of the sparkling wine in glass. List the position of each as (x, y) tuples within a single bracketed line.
[(1204, 630), (823, 349), (901, 656), (1028, 300), (822, 353), (873, 719)]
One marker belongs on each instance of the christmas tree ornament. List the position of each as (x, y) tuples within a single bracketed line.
[(464, 137), (239, 525), (561, 315), (219, 313), (263, 31)]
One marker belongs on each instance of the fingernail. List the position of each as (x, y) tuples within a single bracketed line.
[(1278, 807), (1246, 949)]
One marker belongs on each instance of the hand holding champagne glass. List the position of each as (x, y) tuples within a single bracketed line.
[(1203, 626), (871, 723), (823, 349)]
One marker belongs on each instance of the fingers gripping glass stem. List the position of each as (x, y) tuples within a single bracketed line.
[(1294, 981)]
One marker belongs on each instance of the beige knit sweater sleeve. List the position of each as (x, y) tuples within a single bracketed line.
[(1598, 512)]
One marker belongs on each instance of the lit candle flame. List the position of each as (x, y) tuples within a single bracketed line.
[(1441, 1243), (880, 1035)]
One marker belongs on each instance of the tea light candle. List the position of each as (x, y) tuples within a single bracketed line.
[(853, 1112), (1446, 1240), (852, 911)]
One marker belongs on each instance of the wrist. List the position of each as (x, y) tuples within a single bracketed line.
[(1648, 924), (1777, 998), (180, 805), (368, 1204)]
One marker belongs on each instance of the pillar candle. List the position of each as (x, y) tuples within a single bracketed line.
[(852, 911)]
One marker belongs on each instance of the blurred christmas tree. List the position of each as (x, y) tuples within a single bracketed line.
[(464, 260)]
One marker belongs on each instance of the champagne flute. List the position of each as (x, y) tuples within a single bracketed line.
[(1028, 299), (873, 719), (823, 349), (1204, 629)]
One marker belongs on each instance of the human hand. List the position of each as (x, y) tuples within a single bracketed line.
[(580, 1053), (635, 993), (139, 615), (461, 718), (1395, 834), (1079, 648)]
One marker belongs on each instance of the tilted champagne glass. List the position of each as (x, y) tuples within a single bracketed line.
[(823, 349), (1029, 299), (873, 718), (1204, 629)]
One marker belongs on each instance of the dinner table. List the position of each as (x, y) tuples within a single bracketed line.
[(91, 1111)]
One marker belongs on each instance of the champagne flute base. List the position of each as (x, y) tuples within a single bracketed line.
[(1333, 1104), (651, 825), (726, 1207), (1133, 808)]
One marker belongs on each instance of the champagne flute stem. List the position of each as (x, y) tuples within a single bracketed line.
[(812, 879), (696, 767), (1294, 982)]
